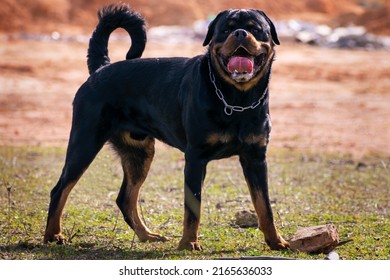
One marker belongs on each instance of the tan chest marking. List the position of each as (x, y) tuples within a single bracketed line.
[(260, 140), (215, 138), (224, 138)]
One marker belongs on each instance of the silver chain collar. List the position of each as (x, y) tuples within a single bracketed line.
[(229, 109)]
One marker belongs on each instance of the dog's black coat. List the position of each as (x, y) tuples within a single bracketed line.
[(132, 102)]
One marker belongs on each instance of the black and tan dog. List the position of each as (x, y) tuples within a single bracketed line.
[(210, 106)]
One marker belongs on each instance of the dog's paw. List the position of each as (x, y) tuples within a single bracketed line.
[(58, 238), (152, 237), (279, 244), (190, 246)]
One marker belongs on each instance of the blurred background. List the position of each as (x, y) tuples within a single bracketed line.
[(63, 15), (330, 89)]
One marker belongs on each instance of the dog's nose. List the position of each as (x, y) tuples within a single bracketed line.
[(240, 34)]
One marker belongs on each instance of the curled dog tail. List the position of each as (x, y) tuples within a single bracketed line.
[(110, 18)]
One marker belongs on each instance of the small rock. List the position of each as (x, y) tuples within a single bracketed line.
[(315, 239), (333, 256), (246, 218)]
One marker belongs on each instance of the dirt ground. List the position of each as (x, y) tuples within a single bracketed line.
[(80, 15), (321, 99)]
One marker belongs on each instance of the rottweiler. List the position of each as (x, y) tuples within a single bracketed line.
[(211, 106)]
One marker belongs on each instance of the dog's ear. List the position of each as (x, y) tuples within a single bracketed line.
[(272, 26), (211, 28)]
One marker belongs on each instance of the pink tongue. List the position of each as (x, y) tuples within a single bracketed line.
[(240, 64)]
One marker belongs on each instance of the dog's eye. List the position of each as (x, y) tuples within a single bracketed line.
[(226, 31), (255, 30)]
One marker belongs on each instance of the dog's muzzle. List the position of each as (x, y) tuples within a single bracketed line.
[(244, 62)]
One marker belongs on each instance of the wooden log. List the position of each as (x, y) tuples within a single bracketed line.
[(316, 239)]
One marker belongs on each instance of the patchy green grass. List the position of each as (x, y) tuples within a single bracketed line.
[(306, 190)]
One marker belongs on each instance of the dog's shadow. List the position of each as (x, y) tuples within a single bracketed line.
[(91, 251)]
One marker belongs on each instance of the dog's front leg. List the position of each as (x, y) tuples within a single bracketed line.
[(194, 174), (255, 170)]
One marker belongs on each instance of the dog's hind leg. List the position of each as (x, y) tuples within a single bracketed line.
[(136, 157), (82, 149)]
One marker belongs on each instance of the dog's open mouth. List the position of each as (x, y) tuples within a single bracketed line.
[(242, 65)]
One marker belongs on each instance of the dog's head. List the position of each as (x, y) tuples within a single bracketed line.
[(241, 45)]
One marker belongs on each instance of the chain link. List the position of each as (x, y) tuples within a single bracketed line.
[(229, 109)]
